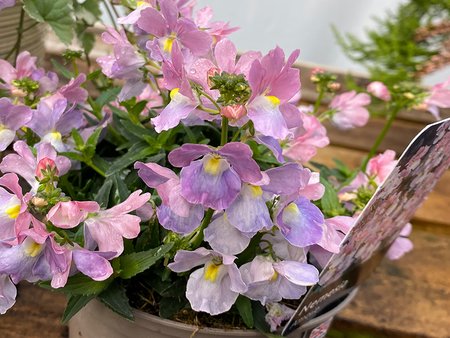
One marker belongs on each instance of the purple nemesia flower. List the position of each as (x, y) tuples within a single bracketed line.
[(282, 248), (214, 180), (25, 66), (276, 314), (439, 97), (402, 244), (334, 231), (175, 213), (124, 64), (214, 287), (24, 163), (218, 30), (53, 120), (274, 82), (8, 293), (73, 91), (350, 110), (12, 118), (108, 227), (6, 3), (225, 54), (13, 215), (225, 238), (379, 90), (166, 26), (269, 281), (182, 101)]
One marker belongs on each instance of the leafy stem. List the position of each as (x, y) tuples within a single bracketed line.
[(198, 238), (380, 137)]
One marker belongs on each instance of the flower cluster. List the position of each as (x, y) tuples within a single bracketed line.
[(219, 141)]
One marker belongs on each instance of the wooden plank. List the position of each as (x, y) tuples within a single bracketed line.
[(406, 298), (435, 208), (37, 314)]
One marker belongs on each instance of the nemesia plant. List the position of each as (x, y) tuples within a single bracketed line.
[(185, 181)]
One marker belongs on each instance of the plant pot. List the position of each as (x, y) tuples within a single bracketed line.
[(32, 40), (96, 321)]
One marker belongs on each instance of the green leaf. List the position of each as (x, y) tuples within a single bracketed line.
[(62, 70), (259, 314), (330, 201), (102, 196), (107, 96), (137, 262), (75, 304), (79, 142), (91, 143), (116, 299), (169, 306), (121, 188), (83, 285), (58, 14), (137, 152), (244, 306)]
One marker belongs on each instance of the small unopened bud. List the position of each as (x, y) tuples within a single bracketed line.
[(39, 202), (379, 90), (46, 167), (315, 74), (17, 92), (234, 111), (212, 72), (334, 86)]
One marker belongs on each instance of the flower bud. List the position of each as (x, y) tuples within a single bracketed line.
[(39, 202), (334, 86), (234, 111), (212, 72), (45, 167), (379, 90)]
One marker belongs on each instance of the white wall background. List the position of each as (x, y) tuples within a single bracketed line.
[(303, 24)]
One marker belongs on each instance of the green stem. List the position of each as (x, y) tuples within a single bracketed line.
[(75, 67), (210, 99), (97, 169), (318, 101), (238, 132), (208, 110), (224, 135), (198, 238), (16, 46), (380, 138)]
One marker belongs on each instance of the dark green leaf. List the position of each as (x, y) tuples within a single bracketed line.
[(138, 152), (102, 196), (107, 96), (75, 304), (121, 188), (79, 142), (137, 262), (56, 13), (62, 70), (83, 285), (169, 306), (330, 201), (116, 299), (244, 306)]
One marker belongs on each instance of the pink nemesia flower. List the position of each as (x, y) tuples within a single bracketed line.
[(350, 110), (25, 164), (307, 139), (69, 214), (439, 97), (380, 166), (379, 90), (108, 227), (402, 244)]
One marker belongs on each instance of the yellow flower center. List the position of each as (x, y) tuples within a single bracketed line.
[(141, 3), (56, 135), (32, 249), (13, 211), (292, 208), (274, 276), (275, 101), (212, 165), (211, 272), (168, 43), (256, 191), (174, 92)]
